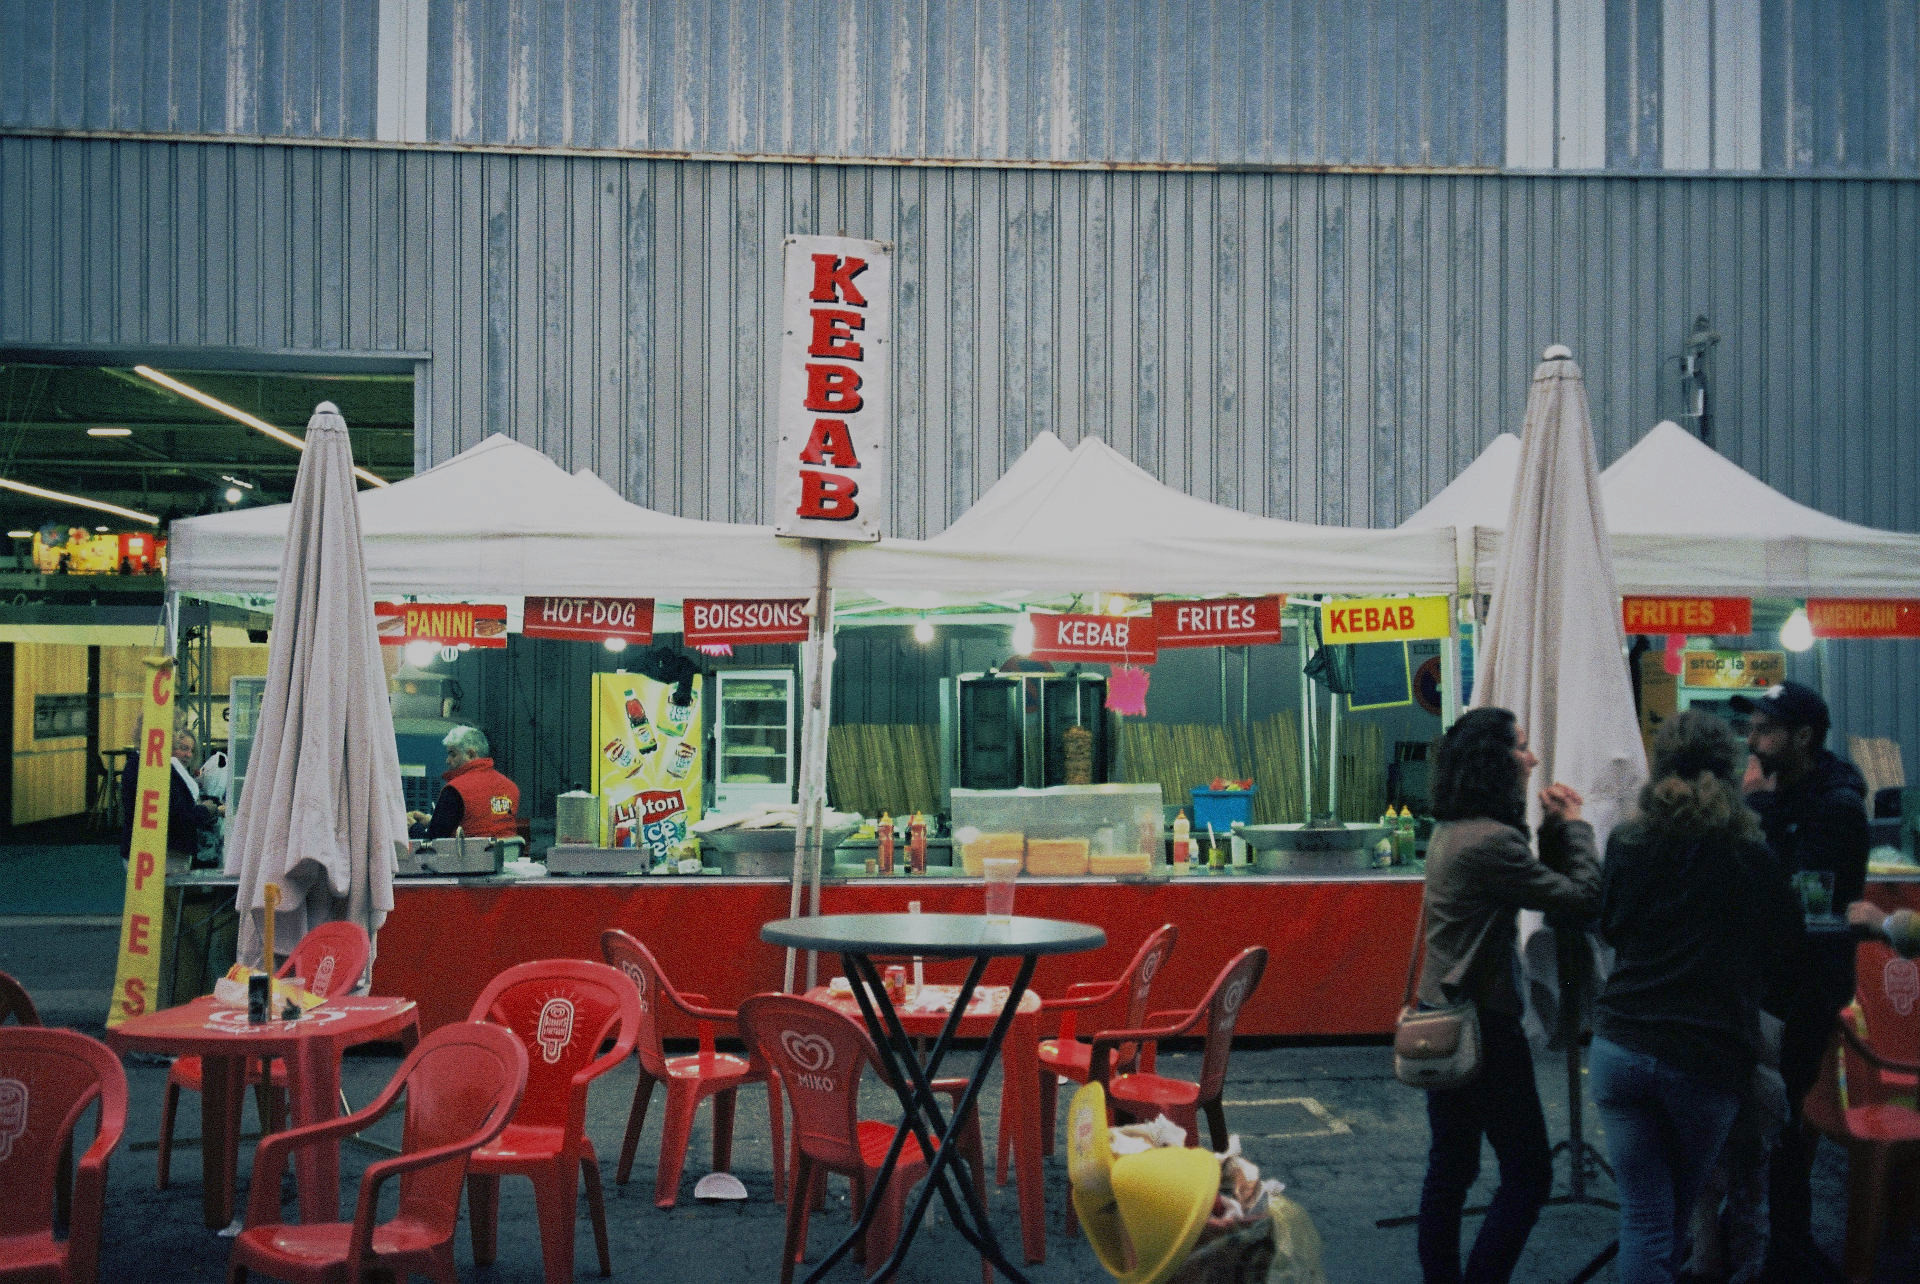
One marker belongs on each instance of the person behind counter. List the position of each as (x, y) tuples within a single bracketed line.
[(476, 799), (193, 822)]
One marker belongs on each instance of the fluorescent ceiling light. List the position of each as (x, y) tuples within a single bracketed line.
[(19, 534), (280, 435), (109, 432), (241, 482), (7, 483)]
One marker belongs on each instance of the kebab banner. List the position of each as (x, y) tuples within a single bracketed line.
[(646, 762), (136, 978), (1099, 639)]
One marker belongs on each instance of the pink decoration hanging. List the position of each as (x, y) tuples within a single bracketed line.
[(1127, 690)]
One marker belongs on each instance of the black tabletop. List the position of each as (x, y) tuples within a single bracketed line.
[(933, 935)]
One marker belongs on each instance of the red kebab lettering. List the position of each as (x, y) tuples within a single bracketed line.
[(833, 390)]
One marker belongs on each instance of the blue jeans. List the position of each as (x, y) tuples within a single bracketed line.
[(1502, 1106), (1664, 1129)]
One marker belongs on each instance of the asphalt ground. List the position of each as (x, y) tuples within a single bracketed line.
[(1330, 1121)]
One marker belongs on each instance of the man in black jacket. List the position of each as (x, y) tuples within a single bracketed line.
[(1813, 807)]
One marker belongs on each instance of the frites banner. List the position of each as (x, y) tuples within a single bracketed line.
[(589, 619), (1861, 617), (1670, 615), (443, 623), (1384, 619), (829, 475), (1733, 670), (1100, 639), (136, 978), (743, 622), (1227, 621)]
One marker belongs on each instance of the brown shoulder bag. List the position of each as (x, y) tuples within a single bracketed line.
[(1434, 1047)]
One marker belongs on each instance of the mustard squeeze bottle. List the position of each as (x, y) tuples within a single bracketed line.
[(884, 837), (1182, 839)]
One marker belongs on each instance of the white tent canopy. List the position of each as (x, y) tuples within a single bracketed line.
[(1090, 520), (1685, 519), (503, 520)]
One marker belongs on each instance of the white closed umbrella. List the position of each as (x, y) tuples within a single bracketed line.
[(322, 804), (1555, 651)]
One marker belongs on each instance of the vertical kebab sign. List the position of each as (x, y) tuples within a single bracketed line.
[(835, 350)]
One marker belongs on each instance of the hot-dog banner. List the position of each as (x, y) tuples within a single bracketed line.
[(1101, 639), (1227, 621), (589, 619), (477, 624), (136, 978), (646, 761)]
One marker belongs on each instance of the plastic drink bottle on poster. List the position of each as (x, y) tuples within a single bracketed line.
[(647, 770)]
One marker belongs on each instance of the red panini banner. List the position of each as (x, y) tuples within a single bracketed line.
[(1670, 615), (1102, 639), (589, 619), (445, 623), (743, 622), (1864, 617), (1226, 621)]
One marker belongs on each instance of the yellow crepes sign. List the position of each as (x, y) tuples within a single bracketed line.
[(136, 981), (1383, 619)]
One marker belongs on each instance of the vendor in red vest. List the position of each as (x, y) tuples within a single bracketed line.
[(477, 799)]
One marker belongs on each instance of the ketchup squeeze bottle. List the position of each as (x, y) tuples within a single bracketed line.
[(917, 844)]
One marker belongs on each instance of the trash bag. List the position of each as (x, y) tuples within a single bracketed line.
[(1283, 1250)]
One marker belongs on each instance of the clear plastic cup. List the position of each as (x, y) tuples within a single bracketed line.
[(1000, 873)]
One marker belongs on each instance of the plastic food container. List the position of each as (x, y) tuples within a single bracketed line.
[(1063, 830)]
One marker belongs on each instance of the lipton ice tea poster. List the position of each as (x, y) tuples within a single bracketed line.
[(646, 761)]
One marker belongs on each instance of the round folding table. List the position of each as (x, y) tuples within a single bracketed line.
[(861, 938)]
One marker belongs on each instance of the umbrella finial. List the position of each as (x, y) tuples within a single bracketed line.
[(1558, 352)]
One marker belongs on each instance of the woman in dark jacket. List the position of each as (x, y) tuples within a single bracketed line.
[(1481, 870), (1702, 922)]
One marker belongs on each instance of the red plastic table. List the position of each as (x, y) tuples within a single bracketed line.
[(925, 1012), (311, 1046)]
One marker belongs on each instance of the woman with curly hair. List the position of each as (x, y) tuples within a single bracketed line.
[(1481, 870), (1703, 923)]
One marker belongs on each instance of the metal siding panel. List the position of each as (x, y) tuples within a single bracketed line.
[(1529, 68), (1581, 104)]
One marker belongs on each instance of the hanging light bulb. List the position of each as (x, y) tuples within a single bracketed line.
[(1797, 633), (1022, 635), (234, 495), (1119, 604), (616, 645), (923, 631), (420, 654)]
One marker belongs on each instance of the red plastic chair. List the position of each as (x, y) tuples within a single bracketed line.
[(330, 959), (1144, 1094), (562, 1010), (1880, 1138), (48, 1078), (690, 1079), (1069, 1059), (462, 1083), (1888, 991), (818, 1055)]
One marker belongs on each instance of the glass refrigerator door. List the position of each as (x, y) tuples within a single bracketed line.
[(243, 718), (753, 738)]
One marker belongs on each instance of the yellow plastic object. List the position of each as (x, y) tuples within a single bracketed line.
[(1143, 1213)]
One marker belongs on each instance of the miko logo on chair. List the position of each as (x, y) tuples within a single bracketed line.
[(814, 1055), (1900, 982), (555, 1030), (13, 1114)]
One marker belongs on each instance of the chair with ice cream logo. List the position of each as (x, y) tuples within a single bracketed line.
[(48, 1079), (1066, 1058), (1142, 1094), (689, 1079), (564, 1011), (1887, 994), (819, 1055), (328, 960)]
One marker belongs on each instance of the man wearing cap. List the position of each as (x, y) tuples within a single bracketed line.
[(1813, 807)]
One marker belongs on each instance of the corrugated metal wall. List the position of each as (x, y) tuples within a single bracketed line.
[(1331, 348), (1781, 86)]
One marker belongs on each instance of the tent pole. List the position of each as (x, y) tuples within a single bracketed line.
[(1306, 723), (813, 770)]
